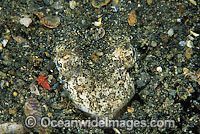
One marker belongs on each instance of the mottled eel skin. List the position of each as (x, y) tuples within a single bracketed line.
[(100, 91)]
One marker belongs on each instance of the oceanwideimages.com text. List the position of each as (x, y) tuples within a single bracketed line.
[(46, 122)]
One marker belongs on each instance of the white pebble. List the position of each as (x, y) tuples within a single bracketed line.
[(170, 32), (159, 69), (178, 20), (25, 21), (182, 43), (4, 42)]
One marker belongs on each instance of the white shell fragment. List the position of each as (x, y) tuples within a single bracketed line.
[(194, 34), (4, 42), (189, 43), (97, 23), (25, 21), (170, 32), (193, 2)]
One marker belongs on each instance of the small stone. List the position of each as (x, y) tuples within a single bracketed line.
[(58, 5), (159, 69), (25, 21), (170, 32), (4, 42), (12, 111), (99, 53), (15, 93), (153, 44), (164, 38), (182, 43), (72, 4), (149, 2), (95, 58), (132, 18), (130, 110)]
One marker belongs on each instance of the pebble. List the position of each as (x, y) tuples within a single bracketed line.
[(72, 4), (25, 21), (149, 2), (50, 21), (153, 44), (58, 5), (132, 18), (159, 69), (4, 42), (182, 43), (15, 93), (170, 32), (130, 109)]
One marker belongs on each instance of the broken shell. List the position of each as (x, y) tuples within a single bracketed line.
[(193, 2), (189, 43), (95, 58), (132, 18), (19, 39), (34, 89), (25, 21), (97, 23), (32, 107), (39, 14), (194, 34), (99, 34), (188, 53), (99, 53), (99, 3), (50, 21)]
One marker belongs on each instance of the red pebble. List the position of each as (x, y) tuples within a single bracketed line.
[(43, 82)]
